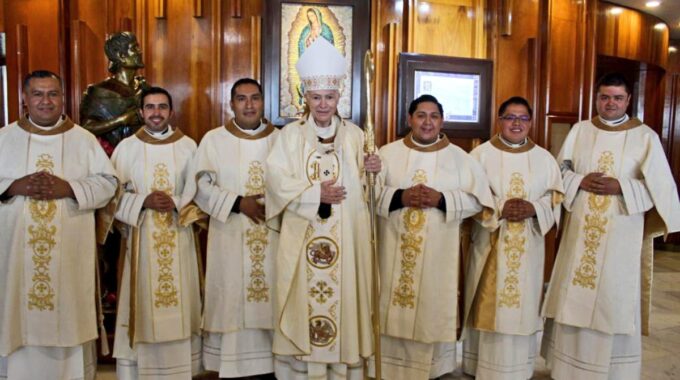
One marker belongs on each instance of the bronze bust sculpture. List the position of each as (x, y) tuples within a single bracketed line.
[(109, 108)]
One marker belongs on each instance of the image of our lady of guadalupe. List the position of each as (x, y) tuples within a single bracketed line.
[(314, 29)]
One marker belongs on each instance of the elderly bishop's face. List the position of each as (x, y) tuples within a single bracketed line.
[(323, 104)]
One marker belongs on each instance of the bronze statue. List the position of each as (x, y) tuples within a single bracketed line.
[(109, 108)]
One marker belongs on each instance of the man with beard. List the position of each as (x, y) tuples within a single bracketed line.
[(52, 178), (158, 322)]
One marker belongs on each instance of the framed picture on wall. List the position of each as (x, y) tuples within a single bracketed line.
[(291, 26), (462, 85)]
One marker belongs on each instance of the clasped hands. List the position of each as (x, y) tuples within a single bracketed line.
[(599, 183), (420, 196), (516, 210), (42, 186), (159, 201)]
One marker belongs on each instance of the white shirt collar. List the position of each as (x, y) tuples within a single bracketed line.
[(511, 144), (252, 132), (160, 135), (615, 123), (47, 128)]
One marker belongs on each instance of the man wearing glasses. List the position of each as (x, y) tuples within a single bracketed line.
[(619, 195), (505, 275)]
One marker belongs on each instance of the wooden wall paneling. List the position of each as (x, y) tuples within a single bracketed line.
[(78, 66), (236, 7), (447, 27), (515, 56), (63, 42), (22, 69), (392, 45), (236, 57), (255, 47), (631, 34), (33, 23), (562, 79), (505, 18), (533, 81), (161, 9), (198, 8), (589, 56), (654, 92), (216, 84)]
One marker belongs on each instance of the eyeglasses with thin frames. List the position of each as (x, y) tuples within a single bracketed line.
[(513, 118)]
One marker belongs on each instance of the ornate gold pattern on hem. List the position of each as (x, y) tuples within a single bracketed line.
[(42, 241), (164, 244), (256, 240), (513, 249), (595, 228), (322, 331), (411, 247)]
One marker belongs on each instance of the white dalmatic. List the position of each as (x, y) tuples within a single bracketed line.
[(324, 262)]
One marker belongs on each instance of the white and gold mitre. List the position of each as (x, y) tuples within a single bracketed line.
[(321, 66)]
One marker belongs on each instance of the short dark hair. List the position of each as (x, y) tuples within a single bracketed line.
[(155, 90), (424, 99), (41, 74), (245, 81), (613, 79), (515, 100)]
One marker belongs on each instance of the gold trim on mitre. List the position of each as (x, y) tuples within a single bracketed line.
[(633, 122), (29, 127), (323, 82)]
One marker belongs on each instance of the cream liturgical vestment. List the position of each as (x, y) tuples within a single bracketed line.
[(240, 282), (504, 282), (419, 255), (322, 319), (47, 264), (600, 287), (160, 305)]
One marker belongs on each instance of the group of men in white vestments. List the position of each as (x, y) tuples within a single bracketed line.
[(287, 288)]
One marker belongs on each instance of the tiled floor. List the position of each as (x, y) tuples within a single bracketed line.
[(661, 350)]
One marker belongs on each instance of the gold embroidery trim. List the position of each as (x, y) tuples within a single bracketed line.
[(513, 249), (256, 240), (411, 247), (164, 243), (42, 241), (595, 228)]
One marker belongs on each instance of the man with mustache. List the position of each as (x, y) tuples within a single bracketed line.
[(619, 195), (158, 321), (53, 177), (230, 175)]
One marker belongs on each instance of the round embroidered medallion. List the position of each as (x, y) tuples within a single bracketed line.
[(322, 331), (322, 252)]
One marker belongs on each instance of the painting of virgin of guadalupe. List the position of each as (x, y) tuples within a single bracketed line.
[(300, 26)]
